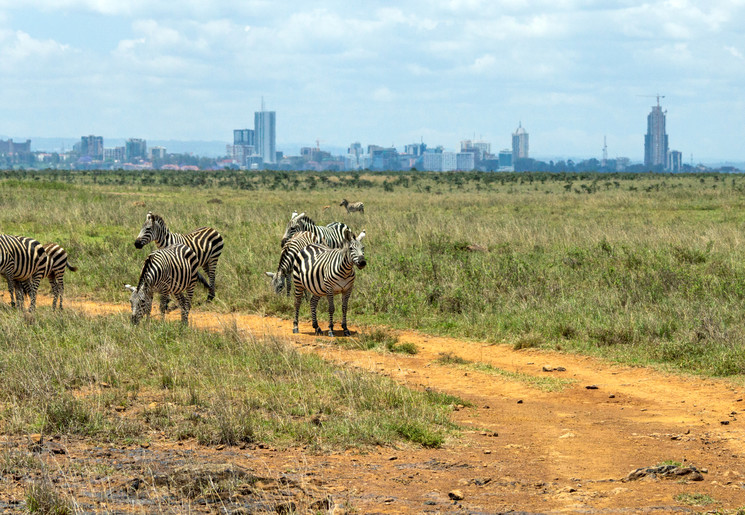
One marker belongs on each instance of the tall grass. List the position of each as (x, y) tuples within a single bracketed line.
[(642, 268), (104, 379)]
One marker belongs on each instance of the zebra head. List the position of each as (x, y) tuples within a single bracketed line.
[(356, 248), (149, 229), (344, 202), (294, 226), (141, 302), (278, 281)]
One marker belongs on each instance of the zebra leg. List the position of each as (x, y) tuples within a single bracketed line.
[(330, 297), (11, 290), (33, 285), (183, 301), (60, 291), (211, 269), (55, 292), (298, 300), (313, 305), (344, 304), (163, 305)]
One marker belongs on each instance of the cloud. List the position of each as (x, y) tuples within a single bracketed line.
[(735, 53), (383, 94), (18, 48)]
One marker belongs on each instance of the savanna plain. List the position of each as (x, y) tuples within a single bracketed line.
[(520, 342)]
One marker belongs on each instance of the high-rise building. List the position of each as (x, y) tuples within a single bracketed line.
[(675, 161), (655, 141), (519, 143), (244, 137), (91, 146), (505, 159), (135, 148), (265, 133)]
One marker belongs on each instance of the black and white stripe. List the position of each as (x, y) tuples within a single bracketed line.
[(206, 242), (281, 279), (353, 206), (168, 271), (57, 263), (326, 272), (331, 235), (22, 263)]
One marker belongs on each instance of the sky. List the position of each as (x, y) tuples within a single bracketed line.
[(388, 73)]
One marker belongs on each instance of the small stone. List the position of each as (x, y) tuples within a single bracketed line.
[(392, 458), (591, 387), (220, 447), (611, 396), (520, 401), (119, 408), (487, 451), (145, 445), (724, 422), (456, 495)]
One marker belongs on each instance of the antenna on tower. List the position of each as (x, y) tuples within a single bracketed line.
[(605, 151)]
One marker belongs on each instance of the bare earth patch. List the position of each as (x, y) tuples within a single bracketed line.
[(523, 448)]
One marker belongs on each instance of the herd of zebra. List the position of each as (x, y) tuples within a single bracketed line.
[(318, 259)]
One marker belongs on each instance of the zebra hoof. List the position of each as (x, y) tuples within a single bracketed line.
[(294, 330), (318, 331), (331, 334), (347, 333)]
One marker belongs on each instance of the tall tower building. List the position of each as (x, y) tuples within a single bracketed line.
[(265, 134), (655, 141), (519, 143)]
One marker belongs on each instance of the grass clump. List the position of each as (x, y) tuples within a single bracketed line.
[(380, 338), (695, 499), (43, 498)]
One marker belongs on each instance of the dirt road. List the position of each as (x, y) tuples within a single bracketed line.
[(522, 448)]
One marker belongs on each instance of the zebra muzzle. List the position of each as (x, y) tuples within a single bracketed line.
[(139, 244)]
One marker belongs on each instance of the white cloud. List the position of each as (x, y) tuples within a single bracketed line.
[(735, 52), (383, 94)]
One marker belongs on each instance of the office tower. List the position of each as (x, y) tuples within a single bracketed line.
[(519, 143), (265, 133), (135, 148), (244, 137), (91, 146), (655, 141)]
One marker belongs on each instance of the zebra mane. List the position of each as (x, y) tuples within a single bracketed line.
[(157, 219), (145, 266), (304, 221)]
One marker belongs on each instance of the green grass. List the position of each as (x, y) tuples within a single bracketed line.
[(546, 384), (696, 499), (644, 269), (380, 338), (103, 379)]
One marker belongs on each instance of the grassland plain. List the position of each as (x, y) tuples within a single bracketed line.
[(641, 268)]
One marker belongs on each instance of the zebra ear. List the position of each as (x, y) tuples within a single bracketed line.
[(293, 215), (362, 235), (129, 287), (348, 235)]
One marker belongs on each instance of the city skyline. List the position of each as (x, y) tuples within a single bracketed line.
[(573, 72)]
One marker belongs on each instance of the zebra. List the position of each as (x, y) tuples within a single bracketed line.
[(23, 262), (206, 242), (332, 235), (168, 271), (354, 206), (55, 270), (325, 272), (281, 279)]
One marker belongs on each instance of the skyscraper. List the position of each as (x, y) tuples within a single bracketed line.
[(519, 143), (265, 133), (655, 141)]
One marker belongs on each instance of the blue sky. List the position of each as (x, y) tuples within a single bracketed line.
[(387, 73)]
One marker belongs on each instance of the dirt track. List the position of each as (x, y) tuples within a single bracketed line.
[(522, 449)]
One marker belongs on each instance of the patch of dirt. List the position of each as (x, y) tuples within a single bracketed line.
[(522, 449)]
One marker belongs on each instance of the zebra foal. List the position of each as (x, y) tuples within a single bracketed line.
[(206, 242), (22, 262), (57, 263), (168, 271), (327, 272), (282, 277), (353, 206), (331, 235)]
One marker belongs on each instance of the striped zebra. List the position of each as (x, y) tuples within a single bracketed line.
[(206, 242), (326, 272), (331, 235), (168, 271), (22, 263), (281, 279), (354, 206)]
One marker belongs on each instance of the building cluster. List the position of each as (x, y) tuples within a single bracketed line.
[(257, 149)]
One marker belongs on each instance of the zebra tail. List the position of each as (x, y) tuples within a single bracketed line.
[(73, 268), (203, 280)]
